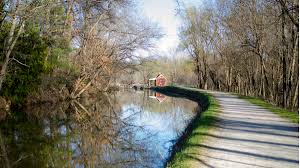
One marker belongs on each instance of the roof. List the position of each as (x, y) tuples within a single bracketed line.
[(160, 75)]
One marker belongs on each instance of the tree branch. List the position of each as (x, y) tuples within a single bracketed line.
[(20, 62)]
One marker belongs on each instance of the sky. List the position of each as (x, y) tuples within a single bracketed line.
[(163, 12)]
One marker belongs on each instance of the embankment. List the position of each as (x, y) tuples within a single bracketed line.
[(199, 125)]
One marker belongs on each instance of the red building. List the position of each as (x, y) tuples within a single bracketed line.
[(159, 80)]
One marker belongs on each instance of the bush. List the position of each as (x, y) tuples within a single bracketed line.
[(20, 80)]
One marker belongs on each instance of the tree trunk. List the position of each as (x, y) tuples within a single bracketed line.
[(284, 85), (198, 71), (68, 22), (87, 85), (9, 45), (296, 96)]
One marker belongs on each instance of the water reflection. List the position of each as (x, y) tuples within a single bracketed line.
[(126, 129), (155, 95)]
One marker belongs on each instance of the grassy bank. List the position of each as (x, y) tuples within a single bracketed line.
[(292, 116), (199, 126)]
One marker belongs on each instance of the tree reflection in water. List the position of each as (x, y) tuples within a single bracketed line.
[(122, 130)]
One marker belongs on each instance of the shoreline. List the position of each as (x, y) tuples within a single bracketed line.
[(204, 120)]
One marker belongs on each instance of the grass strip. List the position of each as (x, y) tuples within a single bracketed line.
[(292, 116)]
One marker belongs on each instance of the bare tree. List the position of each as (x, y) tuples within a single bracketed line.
[(250, 47)]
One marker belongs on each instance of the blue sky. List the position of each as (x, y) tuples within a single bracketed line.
[(163, 12)]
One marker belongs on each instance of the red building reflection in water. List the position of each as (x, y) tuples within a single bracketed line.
[(158, 96)]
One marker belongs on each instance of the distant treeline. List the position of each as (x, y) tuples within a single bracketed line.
[(175, 68)]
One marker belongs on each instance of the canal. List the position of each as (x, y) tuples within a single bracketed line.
[(124, 129)]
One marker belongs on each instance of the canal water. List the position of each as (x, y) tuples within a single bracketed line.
[(125, 129)]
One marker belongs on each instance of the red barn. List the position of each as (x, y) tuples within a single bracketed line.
[(159, 80)]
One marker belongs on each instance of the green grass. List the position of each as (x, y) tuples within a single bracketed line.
[(292, 116), (186, 146)]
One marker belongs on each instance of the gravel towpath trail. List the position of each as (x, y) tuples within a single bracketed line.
[(247, 136)]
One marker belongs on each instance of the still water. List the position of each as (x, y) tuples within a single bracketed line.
[(124, 129)]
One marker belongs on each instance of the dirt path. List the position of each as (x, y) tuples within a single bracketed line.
[(248, 136)]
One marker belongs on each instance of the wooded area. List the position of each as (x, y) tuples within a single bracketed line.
[(76, 82), (248, 47), (57, 49), (56, 46)]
